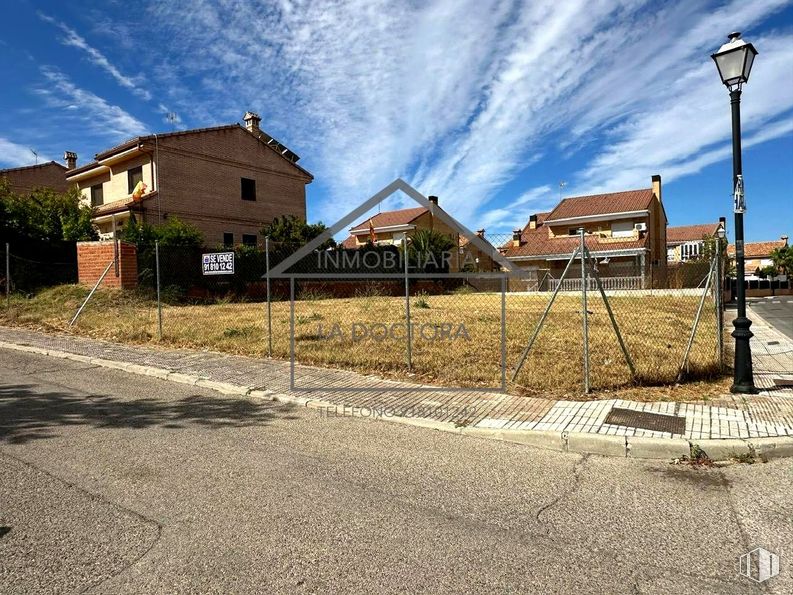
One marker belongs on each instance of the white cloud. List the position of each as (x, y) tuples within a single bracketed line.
[(462, 96), (689, 128), (87, 108), (74, 39), (517, 213), (15, 155)]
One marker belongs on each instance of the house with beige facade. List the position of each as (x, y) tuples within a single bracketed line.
[(24, 180), (624, 231), (390, 228), (687, 242), (757, 255), (228, 181)]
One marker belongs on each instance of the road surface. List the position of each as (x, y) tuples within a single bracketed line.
[(776, 311), (114, 483)]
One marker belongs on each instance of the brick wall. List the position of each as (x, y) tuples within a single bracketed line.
[(200, 183), (24, 179), (93, 258)]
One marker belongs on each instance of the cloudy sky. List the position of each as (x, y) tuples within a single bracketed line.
[(489, 104)]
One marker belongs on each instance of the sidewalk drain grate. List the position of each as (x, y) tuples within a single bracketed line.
[(646, 421)]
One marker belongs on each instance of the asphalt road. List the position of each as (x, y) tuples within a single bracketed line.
[(114, 483), (777, 311)]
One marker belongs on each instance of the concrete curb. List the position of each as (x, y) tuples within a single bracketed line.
[(727, 449)]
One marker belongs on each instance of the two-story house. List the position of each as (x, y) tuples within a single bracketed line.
[(625, 232), (392, 227), (687, 242), (24, 180), (228, 181)]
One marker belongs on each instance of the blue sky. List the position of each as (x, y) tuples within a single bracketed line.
[(487, 103)]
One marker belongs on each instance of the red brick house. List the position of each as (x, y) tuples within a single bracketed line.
[(228, 181), (625, 232), (23, 180)]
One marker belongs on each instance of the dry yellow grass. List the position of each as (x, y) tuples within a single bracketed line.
[(655, 329)]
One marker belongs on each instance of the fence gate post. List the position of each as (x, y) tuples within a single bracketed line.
[(269, 306), (582, 249), (407, 305), (8, 275), (159, 302)]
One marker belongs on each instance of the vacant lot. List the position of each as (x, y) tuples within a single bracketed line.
[(456, 339)]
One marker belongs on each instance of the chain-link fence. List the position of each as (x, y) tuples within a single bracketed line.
[(449, 314)]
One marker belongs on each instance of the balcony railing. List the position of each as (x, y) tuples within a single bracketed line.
[(608, 283)]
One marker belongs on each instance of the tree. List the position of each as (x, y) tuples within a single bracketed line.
[(767, 271), (783, 259), (292, 232), (429, 249), (45, 214), (174, 232), (711, 244)]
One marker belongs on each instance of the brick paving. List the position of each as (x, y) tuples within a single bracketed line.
[(768, 414)]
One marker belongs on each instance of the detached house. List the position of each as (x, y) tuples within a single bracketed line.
[(228, 181), (391, 228), (23, 180), (625, 232), (687, 242), (757, 255)]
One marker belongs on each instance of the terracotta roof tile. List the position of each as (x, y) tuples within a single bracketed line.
[(541, 245), (757, 249), (389, 218), (690, 233), (602, 204)]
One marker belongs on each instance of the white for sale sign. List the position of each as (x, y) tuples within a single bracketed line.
[(218, 263)]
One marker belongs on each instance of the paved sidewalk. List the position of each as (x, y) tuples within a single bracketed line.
[(772, 351), (767, 415)]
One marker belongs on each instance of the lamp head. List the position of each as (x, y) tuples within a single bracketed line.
[(734, 61)]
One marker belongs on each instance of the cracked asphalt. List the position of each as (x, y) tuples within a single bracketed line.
[(114, 483)]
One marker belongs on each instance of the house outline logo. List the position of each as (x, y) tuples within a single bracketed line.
[(767, 565), (508, 268)]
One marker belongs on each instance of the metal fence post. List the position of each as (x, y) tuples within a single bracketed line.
[(8, 275), (719, 309), (269, 303), (504, 333), (582, 249), (159, 301), (407, 306)]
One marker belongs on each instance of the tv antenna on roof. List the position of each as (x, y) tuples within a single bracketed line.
[(562, 184), (36, 154), (172, 118)]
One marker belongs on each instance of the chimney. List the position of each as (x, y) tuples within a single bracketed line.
[(657, 187), (433, 200), (480, 233), (784, 239), (516, 238), (532, 221), (71, 159), (252, 122)]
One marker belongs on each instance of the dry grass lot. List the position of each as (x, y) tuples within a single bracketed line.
[(655, 329)]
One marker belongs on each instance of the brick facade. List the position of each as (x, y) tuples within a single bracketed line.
[(24, 180), (93, 258), (197, 175)]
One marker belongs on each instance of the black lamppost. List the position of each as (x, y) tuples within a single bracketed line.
[(734, 61)]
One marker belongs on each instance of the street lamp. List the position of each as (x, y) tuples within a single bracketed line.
[(734, 61)]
